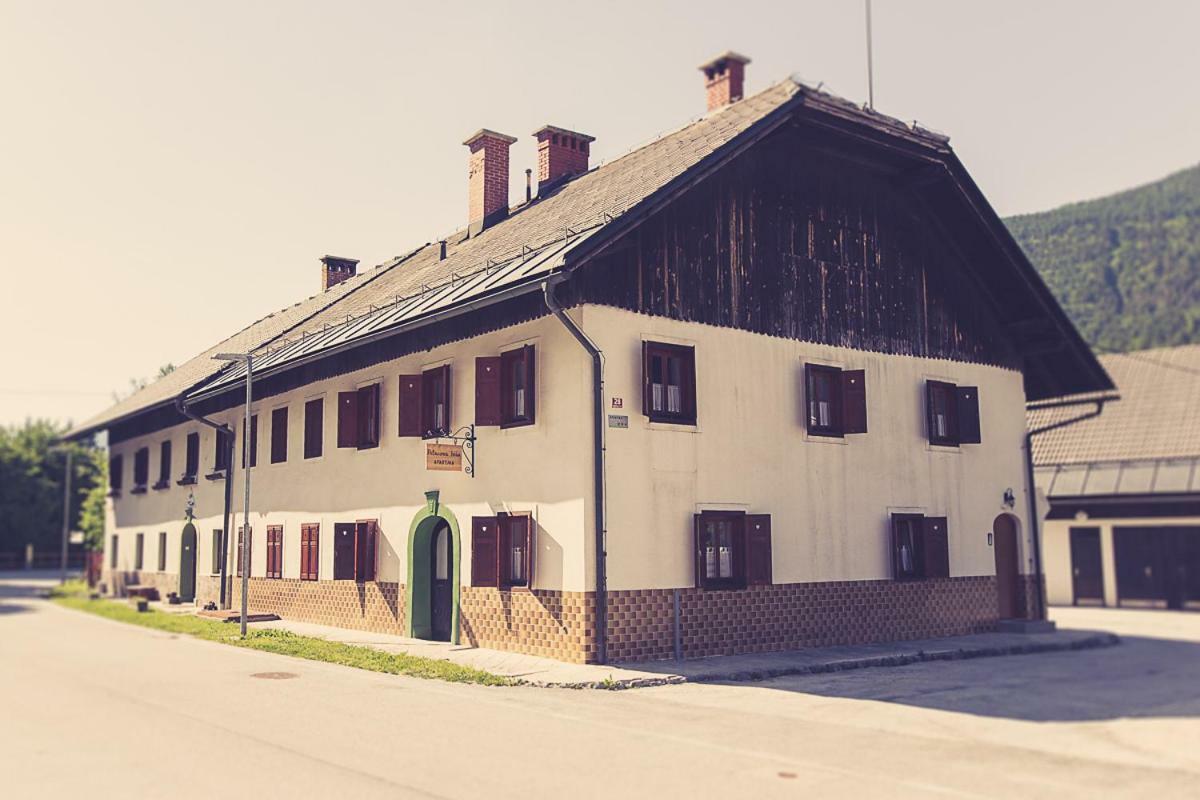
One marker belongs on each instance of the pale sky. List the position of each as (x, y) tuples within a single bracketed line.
[(172, 171)]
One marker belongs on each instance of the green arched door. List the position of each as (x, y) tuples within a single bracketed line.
[(187, 564)]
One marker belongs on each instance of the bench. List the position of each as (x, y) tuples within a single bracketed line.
[(145, 592)]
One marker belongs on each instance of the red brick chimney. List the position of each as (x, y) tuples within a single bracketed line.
[(488, 178), (335, 269), (724, 79), (561, 154)]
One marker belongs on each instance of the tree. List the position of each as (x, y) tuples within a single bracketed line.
[(137, 384)]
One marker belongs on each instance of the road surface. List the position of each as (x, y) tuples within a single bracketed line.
[(93, 708)]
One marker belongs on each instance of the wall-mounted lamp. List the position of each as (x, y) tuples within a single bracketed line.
[(1010, 498), (989, 538)]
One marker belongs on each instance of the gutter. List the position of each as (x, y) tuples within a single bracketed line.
[(222, 430), (598, 460), (1034, 523)]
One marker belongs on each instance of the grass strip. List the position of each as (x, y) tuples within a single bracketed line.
[(74, 595)]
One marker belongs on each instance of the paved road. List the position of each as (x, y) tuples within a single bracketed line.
[(93, 708)]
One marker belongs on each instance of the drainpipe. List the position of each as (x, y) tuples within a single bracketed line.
[(1034, 523), (598, 461), (222, 430)]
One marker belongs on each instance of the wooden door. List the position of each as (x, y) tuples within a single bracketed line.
[(1087, 576), (187, 564), (344, 536), (441, 589), (1005, 547)]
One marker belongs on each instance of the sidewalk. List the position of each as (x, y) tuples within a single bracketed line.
[(545, 672)]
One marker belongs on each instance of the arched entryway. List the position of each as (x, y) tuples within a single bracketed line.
[(434, 557), (187, 564), (1008, 578)]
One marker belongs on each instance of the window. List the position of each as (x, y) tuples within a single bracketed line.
[(274, 551), (732, 549), (141, 470), (191, 460), (435, 401), (920, 547), (314, 427), (251, 441), (835, 400), (669, 383), (952, 413), (354, 551), (164, 465), (115, 468), (112, 553), (310, 552), (502, 550), (139, 550), (358, 418), (517, 387), (243, 534), (162, 551), (221, 442), (279, 435), (216, 551)]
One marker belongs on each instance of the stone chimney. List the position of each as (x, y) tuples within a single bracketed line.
[(561, 154), (335, 269), (724, 79), (487, 179)]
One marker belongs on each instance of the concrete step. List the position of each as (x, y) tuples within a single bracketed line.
[(1025, 626)]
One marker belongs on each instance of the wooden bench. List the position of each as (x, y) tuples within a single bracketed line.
[(145, 592)]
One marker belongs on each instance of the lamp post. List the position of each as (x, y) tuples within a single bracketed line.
[(248, 360)]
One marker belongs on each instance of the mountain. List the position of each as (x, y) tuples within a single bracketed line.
[(1127, 267)]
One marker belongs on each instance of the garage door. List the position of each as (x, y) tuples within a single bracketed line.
[(1158, 566)]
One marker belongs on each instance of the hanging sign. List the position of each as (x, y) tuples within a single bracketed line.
[(443, 457)]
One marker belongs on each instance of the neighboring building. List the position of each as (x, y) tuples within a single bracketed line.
[(815, 339), (1123, 527)]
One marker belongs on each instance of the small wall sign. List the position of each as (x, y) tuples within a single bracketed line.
[(618, 402), (443, 457), (618, 421)]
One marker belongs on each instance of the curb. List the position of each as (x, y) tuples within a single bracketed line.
[(1093, 641)]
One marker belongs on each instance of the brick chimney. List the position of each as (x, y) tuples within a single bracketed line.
[(724, 79), (488, 178), (561, 154), (335, 269)]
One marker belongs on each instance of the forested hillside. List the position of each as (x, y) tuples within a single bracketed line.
[(1125, 267)]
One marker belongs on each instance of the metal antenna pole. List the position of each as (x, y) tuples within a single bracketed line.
[(245, 554), (870, 64), (66, 516)]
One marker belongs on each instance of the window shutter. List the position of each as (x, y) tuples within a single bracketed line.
[(530, 549), (487, 390), (345, 539), (530, 383), (968, 415), (485, 547), (303, 552), (697, 536), (164, 462), (937, 547), (347, 435), (192, 455), (314, 427), (930, 421), (365, 551), (368, 416), (279, 435), (854, 401), (410, 405), (758, 549), (647, 409)]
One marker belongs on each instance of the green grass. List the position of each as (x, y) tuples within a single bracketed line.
[(74, 595)]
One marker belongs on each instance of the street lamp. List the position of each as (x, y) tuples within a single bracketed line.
[(248, 360)]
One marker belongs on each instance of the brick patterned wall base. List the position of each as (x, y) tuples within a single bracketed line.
[(539, 622), (796, 615), (371, 606), (115, 581)]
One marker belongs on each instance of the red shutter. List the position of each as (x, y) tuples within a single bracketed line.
[(758, 549), (485, 543), (487, 390), (309, 552), (968, 414), (854, 401), (368, 416), (347, 433), (410, 405), (935, 535), (304, 553)]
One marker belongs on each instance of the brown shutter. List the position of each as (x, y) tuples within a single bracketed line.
[(487, 390), (758, 549), (485, 548), (303, 552), (930, 421), (697, 528), (530, 383), (364, 551), (192, 455), (449, 397), (530, 549), (854, 401), (368, 416), (410, 405), (968, 415), (347, 434), (279, 435), (937, 547), (648, 410), (314, 427)]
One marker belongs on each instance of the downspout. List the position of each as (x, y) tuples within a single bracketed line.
[(222, 430), (597, 458), (1034, 523)]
